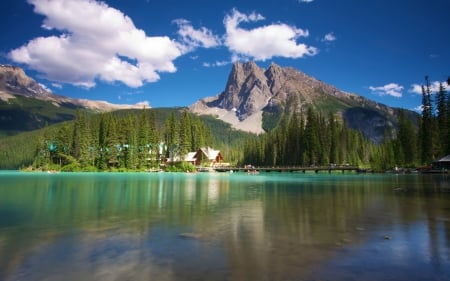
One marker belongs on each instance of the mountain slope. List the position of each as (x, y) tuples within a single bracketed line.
[(26, 105), (254, 99)]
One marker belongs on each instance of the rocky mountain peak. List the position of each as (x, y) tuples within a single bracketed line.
[(251, 92), (246, 91), (14, 79)]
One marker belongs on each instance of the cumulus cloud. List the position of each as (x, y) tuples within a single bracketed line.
[(329, 37), (194, 38), (95, 41), (434, 87), (92, 41), (391, 89), (266, 42)]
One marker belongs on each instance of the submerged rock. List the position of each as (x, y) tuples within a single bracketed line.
[(189, 235)]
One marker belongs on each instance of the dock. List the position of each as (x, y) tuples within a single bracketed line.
[(315, 169)]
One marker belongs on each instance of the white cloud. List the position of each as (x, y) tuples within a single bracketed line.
[(45, 88), (418, 108), (434, 87), (305, 1), (217, 63), (391, 89), (57, 85), (329, 37), (262, 43), (193, 38), (145, 104), (96, 41)]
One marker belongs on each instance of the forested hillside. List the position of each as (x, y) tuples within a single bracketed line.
[(130, 142), (309, 138), (141, 139), (71, 144)]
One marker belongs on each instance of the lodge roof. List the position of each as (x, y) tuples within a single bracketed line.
[(190, 157), (210, 153), (444, 159)]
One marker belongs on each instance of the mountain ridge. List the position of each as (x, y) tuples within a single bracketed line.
[(14, 81), (252, 96), (253, 93), (26, 105)]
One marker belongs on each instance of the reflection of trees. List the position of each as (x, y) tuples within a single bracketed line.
[(45, 209), (266, 228), (299, 225), (428, 196)]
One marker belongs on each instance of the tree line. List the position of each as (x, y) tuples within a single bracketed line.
[(138, 142), (131, 142), (431, 140), (310, 138)]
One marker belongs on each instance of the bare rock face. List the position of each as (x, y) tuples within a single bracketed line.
[(14, 79), (250, 91), (246, 91)]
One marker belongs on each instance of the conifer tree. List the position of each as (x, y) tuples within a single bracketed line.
[(333, 128), (172, 136), (81, 138), (442, 120), (293, 140), (143, 141), (312, 145), (62, 143), (426, 126), (185, 132)]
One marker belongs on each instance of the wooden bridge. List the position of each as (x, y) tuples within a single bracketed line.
[(315, 169)]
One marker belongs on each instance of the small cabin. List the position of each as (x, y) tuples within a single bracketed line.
[(205, 156), (442, 164), (190, 157)]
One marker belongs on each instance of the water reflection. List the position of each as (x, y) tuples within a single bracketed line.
[(224, 227)]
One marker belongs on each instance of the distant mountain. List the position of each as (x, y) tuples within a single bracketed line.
[(254, 100), (27, 105)]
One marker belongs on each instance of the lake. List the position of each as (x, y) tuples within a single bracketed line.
[(221, 226)]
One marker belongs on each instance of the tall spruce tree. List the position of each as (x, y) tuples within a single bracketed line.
[(185, 133), (81, 139), (143, 142), (426, 125), (442, 120), (406, 141)]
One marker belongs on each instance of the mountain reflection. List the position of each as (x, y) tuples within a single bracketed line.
[(221, 226)]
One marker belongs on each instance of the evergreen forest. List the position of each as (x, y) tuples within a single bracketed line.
[(311, 139), (147, 139), (109, 142)]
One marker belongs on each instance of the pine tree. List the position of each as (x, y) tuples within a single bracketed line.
[(442, 120), (172, 137), (293, 140), (143, 140), (406, 139), (81, 139), (185, 133), (333, 129), (426, 126), (62, 143), (312, 145)]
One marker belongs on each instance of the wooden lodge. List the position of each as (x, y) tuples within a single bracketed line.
[(441, 164), (205, 156)]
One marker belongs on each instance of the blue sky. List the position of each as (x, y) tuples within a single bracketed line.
[(172, 52)]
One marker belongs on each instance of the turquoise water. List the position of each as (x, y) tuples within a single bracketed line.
[(274, 226)]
